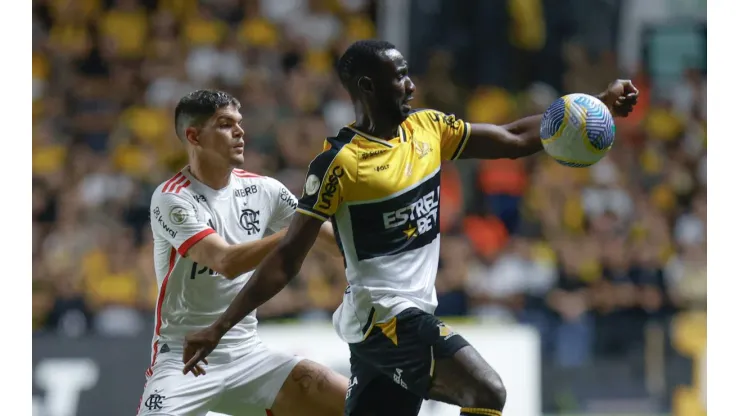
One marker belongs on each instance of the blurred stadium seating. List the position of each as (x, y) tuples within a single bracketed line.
[(607, 263)]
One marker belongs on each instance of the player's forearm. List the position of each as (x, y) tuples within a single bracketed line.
[(511, 141), (242, 258), (268, 280), (527, 132)]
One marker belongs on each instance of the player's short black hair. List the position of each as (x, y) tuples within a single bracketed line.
[(360, 59), (198, 106)]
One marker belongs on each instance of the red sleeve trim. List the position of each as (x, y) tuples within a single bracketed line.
[(184, 247)]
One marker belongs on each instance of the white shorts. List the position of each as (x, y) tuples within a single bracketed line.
[(236, 383)]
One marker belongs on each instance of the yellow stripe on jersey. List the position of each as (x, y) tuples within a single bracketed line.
[(479, 411)]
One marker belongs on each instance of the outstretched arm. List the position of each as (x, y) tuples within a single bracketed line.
[(522, 137)]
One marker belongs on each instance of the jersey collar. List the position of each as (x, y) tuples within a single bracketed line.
[(207, 190), (388, 143)]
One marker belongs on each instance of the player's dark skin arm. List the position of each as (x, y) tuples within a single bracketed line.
[(522, 137), (518, 139), (272, 275)]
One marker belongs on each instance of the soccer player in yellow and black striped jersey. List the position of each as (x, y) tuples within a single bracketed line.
[(378, 182)]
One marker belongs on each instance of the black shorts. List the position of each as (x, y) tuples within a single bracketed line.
[(392, 368)]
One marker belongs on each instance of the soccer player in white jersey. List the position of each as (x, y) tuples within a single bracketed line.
[(212, 225)]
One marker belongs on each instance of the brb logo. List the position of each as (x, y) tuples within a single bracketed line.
[(330, 187), (421, 215)]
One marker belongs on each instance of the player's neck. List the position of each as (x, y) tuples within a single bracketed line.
[(375, 126), (214, 178)]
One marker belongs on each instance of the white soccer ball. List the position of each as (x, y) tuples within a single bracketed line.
[(577, 130)]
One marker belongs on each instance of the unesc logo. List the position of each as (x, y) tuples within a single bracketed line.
[(330, 187)]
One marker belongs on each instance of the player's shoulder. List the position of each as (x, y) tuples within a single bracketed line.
[(342, 144), (175, 188), (251, 180), (338, 150), (430, 116), (243, 177), (424, 114), (416, 112)]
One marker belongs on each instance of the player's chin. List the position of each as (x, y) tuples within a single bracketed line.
[(237, 160), (404, 111)]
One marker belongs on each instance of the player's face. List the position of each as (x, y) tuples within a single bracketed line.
[(222, 138), (394, 88)]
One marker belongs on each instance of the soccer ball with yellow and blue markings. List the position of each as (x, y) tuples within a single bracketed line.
[(577, 130)]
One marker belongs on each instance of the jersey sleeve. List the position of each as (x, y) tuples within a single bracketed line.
[(453, 132), (178, 221), (285, 204), (327, 185)]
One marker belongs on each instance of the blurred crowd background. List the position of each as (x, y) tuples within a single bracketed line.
[(608, 263)]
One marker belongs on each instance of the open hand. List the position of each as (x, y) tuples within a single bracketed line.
[(621, 97), (197, 347)]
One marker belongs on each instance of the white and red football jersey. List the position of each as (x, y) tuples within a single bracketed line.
[(183, 212)]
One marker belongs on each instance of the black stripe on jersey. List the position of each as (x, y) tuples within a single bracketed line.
[(402, 223), (344, 136), (320, 165), (461, 143), (338, 238)]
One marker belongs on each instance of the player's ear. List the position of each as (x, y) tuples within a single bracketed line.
[(364, 84), (191, 135)]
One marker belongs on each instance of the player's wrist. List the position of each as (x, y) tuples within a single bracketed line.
[(220, 328), (602, 96)]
